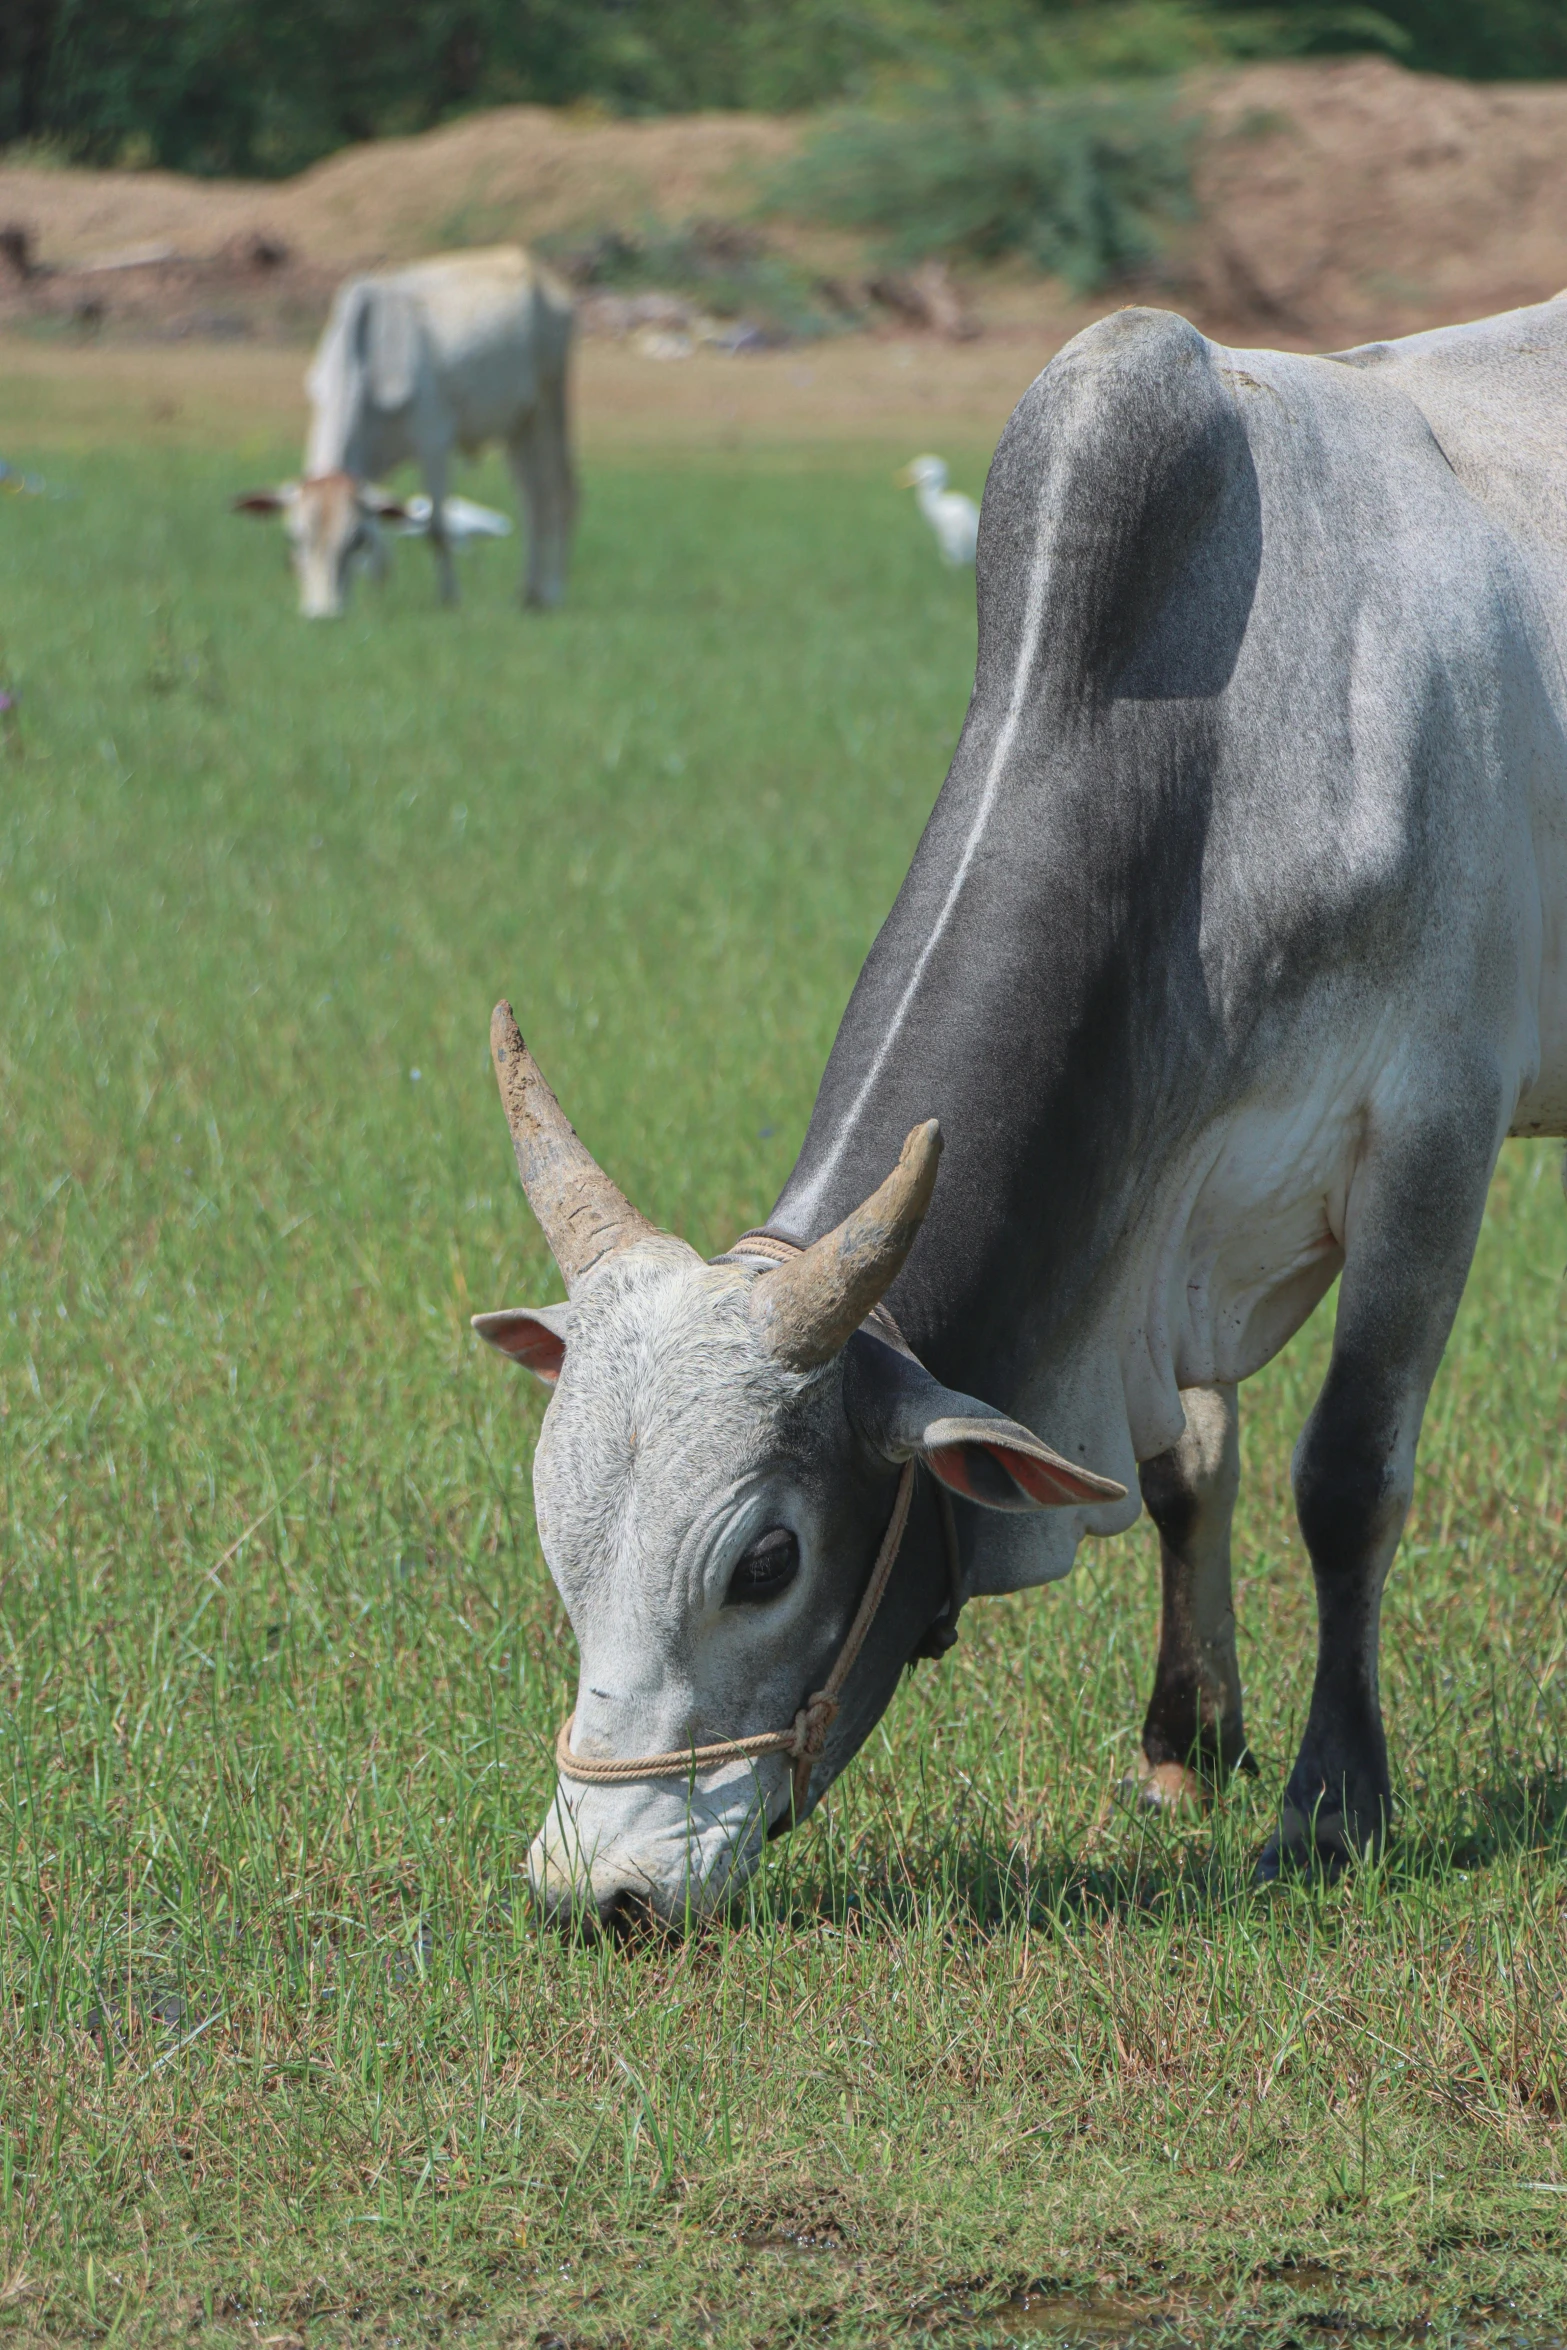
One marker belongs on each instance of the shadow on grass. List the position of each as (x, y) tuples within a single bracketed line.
[(972, 1876), (967, 1877), (1509, 1818)]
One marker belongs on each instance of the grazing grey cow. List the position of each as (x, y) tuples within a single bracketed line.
[(1233, 948), (451, 353)]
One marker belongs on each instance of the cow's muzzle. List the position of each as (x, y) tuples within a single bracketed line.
[(666, 1855)]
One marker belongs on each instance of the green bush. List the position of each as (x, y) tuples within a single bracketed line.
[(267, 86), (1080, 183)]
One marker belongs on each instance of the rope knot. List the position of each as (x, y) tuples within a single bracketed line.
[(811, 1725)]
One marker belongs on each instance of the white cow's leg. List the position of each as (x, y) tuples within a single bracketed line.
[(1193, 1735), (435, 482), (540, 455), (1414, 1214), (519, 455)]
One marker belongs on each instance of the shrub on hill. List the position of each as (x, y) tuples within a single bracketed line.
[(1077, 183)]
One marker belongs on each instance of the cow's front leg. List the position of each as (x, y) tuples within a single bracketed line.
[(445, 569), (1193, 1735), (1411, 1231), (440, 545)]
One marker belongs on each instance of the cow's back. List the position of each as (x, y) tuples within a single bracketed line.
[(1494, 393), (497, 324)]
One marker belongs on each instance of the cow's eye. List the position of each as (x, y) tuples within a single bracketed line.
[(766, 1568)]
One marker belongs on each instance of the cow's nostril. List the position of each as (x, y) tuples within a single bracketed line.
[(626, 1913), (623, 1912)]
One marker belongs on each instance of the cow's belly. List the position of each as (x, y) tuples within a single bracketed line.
[(1264, 1244), (1264, 1236), (1253, 1238), (1542, 1105), (489, 394), (1542, 1109)]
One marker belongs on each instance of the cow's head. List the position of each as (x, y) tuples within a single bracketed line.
[(717, 1467), (333, 523)]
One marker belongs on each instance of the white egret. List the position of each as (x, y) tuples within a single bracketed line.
[(953, 518), (461, 519)]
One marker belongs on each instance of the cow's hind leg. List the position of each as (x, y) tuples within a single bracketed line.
[(540, 456), (1413, 1217), (1193, 1736)]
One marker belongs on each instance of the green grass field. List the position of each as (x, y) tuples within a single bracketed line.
[(287, 2057)]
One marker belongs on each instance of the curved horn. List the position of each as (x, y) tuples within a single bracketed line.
[(584, 1217), (812, 1306)]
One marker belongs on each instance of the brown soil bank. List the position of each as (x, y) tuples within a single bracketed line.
[(1346, 201), (1338, 201)]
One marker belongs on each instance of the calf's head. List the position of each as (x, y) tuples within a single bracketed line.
[(333, 524), (716, 1471)]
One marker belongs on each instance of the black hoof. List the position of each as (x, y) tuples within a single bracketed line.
[(1282, 1863), (1318, 1849)]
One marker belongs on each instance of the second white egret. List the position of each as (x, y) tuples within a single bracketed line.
[(953, 517)]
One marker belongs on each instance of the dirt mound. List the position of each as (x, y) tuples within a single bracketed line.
[(153, 253), (1338, 201), (526, 173), (520, 172), (1341, 202)]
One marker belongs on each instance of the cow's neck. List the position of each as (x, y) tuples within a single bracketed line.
[(339, 438), (1031, 989)]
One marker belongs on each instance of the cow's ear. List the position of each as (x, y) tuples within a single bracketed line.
[(534, 1336), (266, 501), (1005, 1466), (907, 1414)]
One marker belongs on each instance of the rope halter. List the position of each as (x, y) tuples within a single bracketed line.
[(805, 1742)]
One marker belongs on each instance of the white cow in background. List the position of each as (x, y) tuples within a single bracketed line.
[(449, 354)]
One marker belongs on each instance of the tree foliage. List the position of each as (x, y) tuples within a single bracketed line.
[(268, 85), (1482, 40)]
